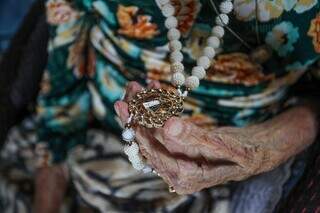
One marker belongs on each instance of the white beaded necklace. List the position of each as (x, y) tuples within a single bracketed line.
[(177, 68), (209, 52)]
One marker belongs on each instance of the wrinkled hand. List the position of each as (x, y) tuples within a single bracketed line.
[(190, 158)]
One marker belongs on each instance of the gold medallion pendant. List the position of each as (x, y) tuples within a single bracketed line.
[(152, 108)]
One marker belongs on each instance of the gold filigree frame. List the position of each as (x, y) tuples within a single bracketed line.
[(152, 108)]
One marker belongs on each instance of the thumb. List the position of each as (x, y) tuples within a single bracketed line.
[(178, 135), (121, 109)]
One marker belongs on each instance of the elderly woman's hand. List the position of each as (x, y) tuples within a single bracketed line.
[(189, 158)]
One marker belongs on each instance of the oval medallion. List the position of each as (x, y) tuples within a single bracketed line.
[(152, 108)]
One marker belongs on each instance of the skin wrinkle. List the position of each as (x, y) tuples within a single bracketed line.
[(194, 158), (171, 175), (290, 142), (168, 176), (184, 173), (219, 146), (182, 183), (203, 163), (212, 180), (185, 149), (202, 172), (180, 144), (186, 178), (132, 88), (233, 153)]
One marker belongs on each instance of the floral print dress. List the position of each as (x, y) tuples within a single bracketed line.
[(97, 46)]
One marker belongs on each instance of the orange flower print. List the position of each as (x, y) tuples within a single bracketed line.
[(237, 68), (59, 12), (76, 59), (186, 12), (314, 32), (135, 26), (81, 59)]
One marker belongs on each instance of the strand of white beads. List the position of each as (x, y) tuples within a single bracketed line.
[(131, 149), (175, 46), (177, 68)]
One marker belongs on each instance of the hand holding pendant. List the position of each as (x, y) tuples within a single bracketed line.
[(190, 158)]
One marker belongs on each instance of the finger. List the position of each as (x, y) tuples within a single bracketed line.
[(179, 161), (233, 145), (132, 88), (178, 171), (121, 109), (211, 175), (154, 85), (179, 136), (175, 169), (216, 175), (188, 176), (157, 156)]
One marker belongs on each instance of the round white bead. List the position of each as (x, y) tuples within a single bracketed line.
[(147, 169), (226, 7), (213, 42), (173, 34), (128, 135), (222, 20), (199, 72), (176, 67), (218, 31), (168, 10), (137, 162), (162, 2), (175, 45), (171, 22), (209, 52), (176, 56), (126, 149), (134, 157), (135, 146), (204, 62), (178, 79), (131, 150), (192, 82)]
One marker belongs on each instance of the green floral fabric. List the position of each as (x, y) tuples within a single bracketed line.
[(97, 46)]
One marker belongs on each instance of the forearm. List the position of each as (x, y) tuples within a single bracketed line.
[(264, 146), (286, 135)]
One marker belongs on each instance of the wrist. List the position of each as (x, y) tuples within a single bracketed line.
[(288, 134)]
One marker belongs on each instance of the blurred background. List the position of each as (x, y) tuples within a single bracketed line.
[(11, 15)]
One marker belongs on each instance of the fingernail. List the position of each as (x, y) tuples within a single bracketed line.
[(135, 86), (116, 108), (123, 111), (174, 127)]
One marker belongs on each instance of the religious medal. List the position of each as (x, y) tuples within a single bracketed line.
[(152, 108)]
